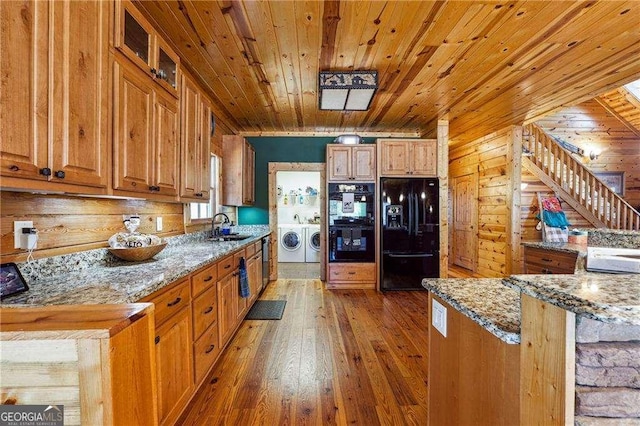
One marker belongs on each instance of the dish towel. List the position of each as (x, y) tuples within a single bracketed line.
[(555, 219), (244, 279)]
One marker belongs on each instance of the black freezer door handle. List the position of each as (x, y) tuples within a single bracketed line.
[(411, 255)]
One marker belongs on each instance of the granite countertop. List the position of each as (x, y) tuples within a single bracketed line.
[(126, 282), (486, 301), (612, 298), (561, 247)]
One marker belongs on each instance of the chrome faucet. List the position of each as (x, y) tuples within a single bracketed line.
[(213, 223)]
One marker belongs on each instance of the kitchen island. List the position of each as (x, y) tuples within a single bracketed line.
[(578, 352)]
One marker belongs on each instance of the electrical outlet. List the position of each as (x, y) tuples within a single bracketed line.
[(439, 317), (159, 223), (17, 231)]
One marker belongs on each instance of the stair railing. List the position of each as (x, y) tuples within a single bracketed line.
[(578, 181)]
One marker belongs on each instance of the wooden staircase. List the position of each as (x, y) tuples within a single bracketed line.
[(575, 183)]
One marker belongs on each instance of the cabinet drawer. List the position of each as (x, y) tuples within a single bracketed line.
[(352, 272), (205, 311), (172, 301), (550, 260), (206, 350), (200, 281), (542, 270), (236, 258), (250, 250), (225, 267)]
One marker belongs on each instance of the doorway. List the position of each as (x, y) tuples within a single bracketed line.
[(465, 219), (305, 201)]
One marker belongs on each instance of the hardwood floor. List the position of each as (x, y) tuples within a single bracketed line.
[(336, 357)]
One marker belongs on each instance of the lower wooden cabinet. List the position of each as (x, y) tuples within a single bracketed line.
[(174, 371), (351, 275), (227, 307), (543, 261), (254, 271), (190, 332), (205, 352)]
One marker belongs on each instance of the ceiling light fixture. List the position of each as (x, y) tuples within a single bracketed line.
[(347, 91)]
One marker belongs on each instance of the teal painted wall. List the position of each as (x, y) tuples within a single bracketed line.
[(279, 150)]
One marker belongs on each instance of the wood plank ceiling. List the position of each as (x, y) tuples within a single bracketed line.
[(481, 64)]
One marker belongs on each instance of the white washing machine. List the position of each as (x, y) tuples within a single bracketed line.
[(312, 249), (291, 243)]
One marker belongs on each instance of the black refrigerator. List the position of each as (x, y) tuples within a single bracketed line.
[(410, 234)]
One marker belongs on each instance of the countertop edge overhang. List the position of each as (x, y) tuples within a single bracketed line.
[(610, 298), (485, 301)]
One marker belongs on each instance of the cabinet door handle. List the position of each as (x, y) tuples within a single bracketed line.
[(209, 309), (175, 302), (153, 71), (45, 172), (546, 260), (198, 194), (59, 174), (212, 347), (14, 168), (209, 278), (157, 339), (351, 273), (227, 267)]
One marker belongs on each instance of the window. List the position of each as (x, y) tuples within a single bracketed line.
[(206, 210)]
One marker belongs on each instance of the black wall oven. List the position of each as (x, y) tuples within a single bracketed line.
[(351, 243), (351, 225)]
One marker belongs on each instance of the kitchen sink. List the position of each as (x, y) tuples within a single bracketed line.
[(230, 237)]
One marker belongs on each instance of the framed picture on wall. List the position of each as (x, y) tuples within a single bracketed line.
[(614, 180)]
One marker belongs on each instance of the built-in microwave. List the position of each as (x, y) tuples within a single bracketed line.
[(351, 203)]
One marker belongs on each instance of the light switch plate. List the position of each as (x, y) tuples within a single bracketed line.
[(17, 231), (158, 223), (439, 317)]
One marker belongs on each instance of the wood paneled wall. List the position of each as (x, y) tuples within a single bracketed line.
[(588, 126), (71, 224), (487, 157)]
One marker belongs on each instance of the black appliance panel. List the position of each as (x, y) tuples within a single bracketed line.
[(406, 271), (351, 243), (360, 212), (410, 237)]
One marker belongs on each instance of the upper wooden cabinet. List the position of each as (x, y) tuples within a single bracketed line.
[(136, 39), (195, 138), (54, 122), (238, 171), (351, 163), (145, 126), (414, 157)]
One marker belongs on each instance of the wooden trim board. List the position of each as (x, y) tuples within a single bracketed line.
[(547, 363)]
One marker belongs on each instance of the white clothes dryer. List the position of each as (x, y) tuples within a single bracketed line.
[(312, 249), (291, 243)]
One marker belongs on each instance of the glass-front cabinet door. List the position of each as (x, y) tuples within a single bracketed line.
[(137, 40), (135, 36), (167, 73)]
